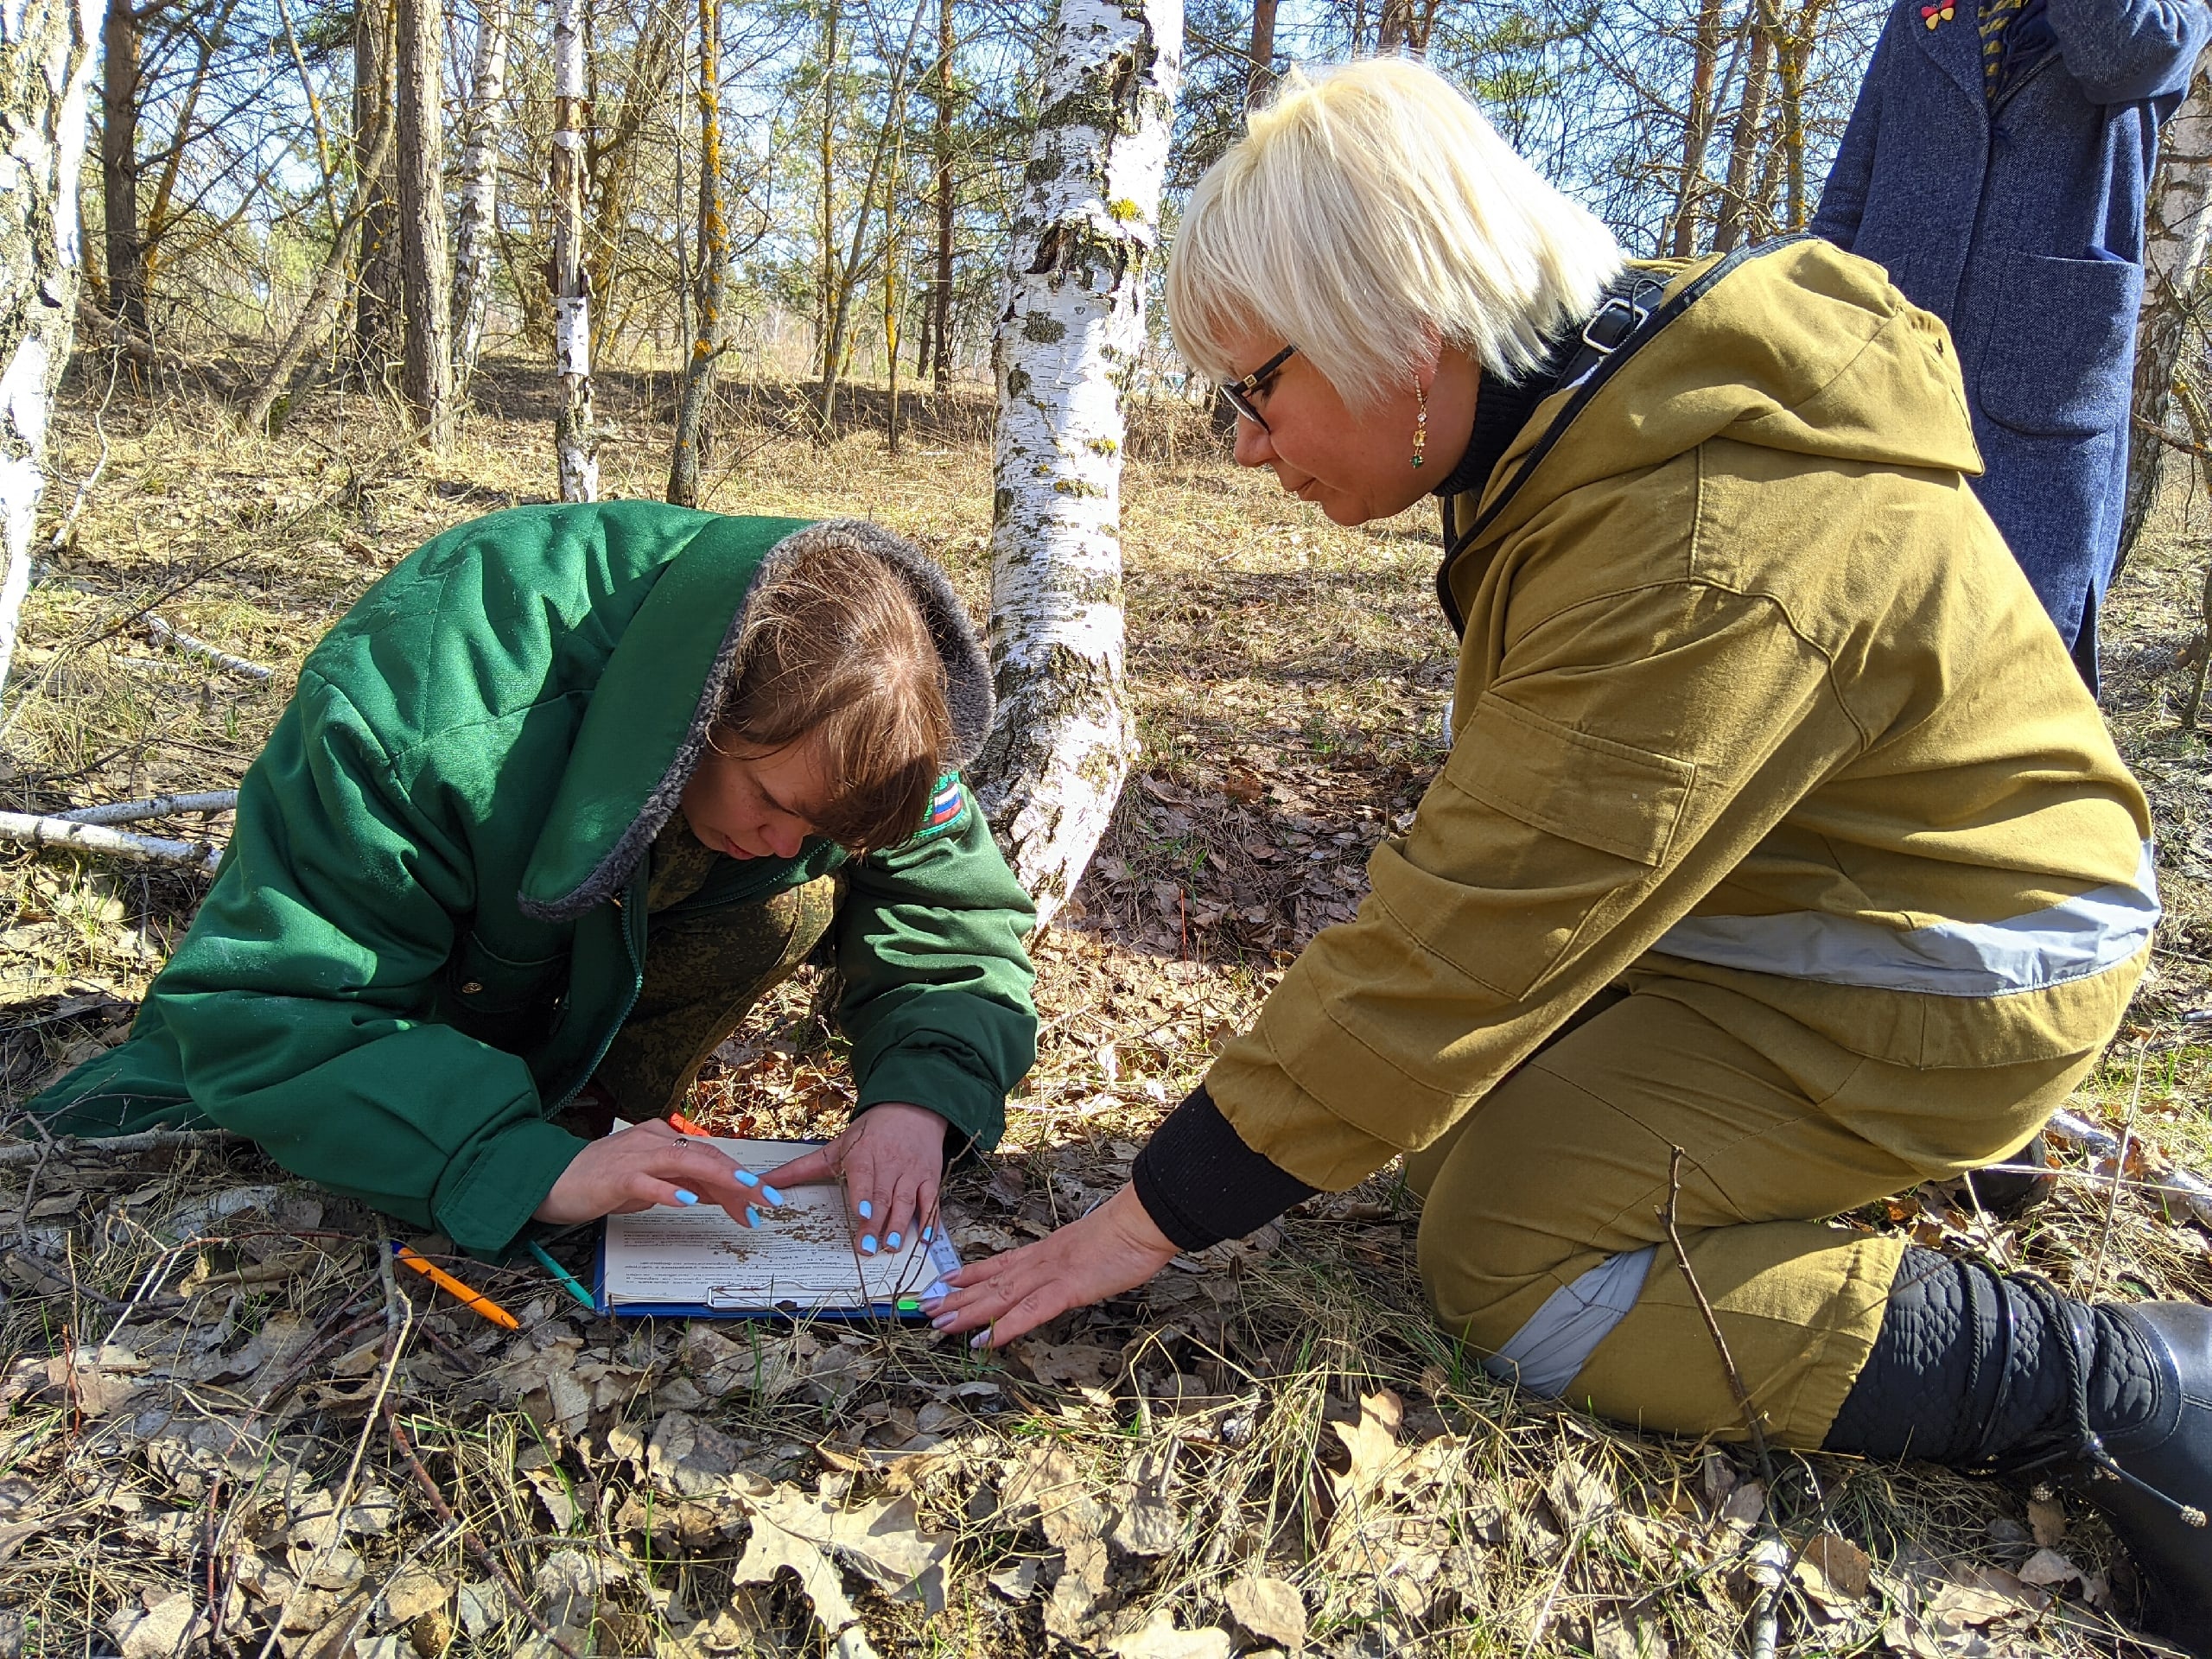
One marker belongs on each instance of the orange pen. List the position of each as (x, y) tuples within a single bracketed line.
[(474, 1302)]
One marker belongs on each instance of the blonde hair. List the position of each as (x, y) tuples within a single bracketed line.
[(1365, 208)]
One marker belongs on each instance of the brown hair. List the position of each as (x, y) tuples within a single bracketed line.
[(835, 647)]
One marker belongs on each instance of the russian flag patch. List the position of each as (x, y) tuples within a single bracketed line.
[(948, 807)]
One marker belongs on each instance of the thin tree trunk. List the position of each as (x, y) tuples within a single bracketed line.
[(46, 60), (1084, 229), (425, 277), (123, 37), (376, 304), (829, 312), (2174, 241), (156, 223), (323, 297), (714, 262), (838, 354), (1750, 114), (480, 190), (611, 152), (1697, 130), (940, 334), (1796, 54), (575, 435)]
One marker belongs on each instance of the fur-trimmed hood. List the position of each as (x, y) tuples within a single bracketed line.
[(666, 679)]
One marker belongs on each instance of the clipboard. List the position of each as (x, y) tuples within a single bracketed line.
[(801, 1262)]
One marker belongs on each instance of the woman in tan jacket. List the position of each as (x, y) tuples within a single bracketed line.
[(1778, 829)]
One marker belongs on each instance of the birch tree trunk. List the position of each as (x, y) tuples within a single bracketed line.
[(2174, 243), (46, 71), (714, 262), (424, 278), (1084, 229), (480, 189), (575, 437)]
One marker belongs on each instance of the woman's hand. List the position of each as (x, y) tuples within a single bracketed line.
[(891, 1159), (1114, 1249), (648, 1164)]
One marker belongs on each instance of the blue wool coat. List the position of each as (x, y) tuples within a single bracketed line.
[(2019, 222)]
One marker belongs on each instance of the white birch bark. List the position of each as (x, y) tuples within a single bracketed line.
[(575, 437), (1084, 229), (480, 188), (46, 72), (2174, 243)]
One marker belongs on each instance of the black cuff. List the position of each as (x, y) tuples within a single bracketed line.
[(1201, 1184)]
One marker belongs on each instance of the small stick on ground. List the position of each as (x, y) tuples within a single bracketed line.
[(2119, 1173), (1770, 1559), (166, 634), (477, 1552), (1712, 1321)]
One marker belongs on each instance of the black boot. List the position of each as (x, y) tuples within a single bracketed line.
[(2010, 1193), (2000, 1373)]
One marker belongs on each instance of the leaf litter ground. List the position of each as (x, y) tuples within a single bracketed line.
[(228, 1429)]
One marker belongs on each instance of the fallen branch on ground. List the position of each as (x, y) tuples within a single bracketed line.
[(166, 634), (156, 806), (29, 829), (145, 1141), (2194, 1192)]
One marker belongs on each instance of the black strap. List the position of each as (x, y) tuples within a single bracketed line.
[(1623, 325)]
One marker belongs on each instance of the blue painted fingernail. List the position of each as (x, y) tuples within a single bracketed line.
[(868, 1210), (928, 1233), (770, 1193), (980, 1338), (891, 1243), (745, 1178), (943, 1320), (682, 1196), (752, 1217), (867, 1243)]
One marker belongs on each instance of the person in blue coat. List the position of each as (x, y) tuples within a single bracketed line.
[(1997, 163)]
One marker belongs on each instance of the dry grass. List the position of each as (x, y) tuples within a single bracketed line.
[(210, 1382)]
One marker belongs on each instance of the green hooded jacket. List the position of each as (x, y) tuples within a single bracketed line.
[(432, 920)]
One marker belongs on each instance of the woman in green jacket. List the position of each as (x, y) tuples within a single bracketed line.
[(552, 806)]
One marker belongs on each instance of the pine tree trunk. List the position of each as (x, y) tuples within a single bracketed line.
[(2174, 241), (480, 190), (713, 263), (1259, 58), (1697, 130), (1085, 227), (376, 303), (122, 40), (46, 71), (575, 436), (424, 275)]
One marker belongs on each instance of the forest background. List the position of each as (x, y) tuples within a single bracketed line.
[(223, 1429)]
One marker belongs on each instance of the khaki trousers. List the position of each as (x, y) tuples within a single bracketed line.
[(706, 965), (1562, 1170)]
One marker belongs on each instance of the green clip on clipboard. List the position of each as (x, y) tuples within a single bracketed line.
[(801, 1261)]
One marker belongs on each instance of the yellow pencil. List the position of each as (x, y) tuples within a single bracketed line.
[(471, 1299)]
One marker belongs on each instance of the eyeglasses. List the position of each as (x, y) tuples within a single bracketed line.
[(1239, 392)]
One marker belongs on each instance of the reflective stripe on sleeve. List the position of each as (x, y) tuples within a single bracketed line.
[(1544, 1354), (2076, 938)]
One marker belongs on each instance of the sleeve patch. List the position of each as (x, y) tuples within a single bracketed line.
[(948, 808)]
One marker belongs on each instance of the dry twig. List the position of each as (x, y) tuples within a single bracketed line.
[(29, 829)]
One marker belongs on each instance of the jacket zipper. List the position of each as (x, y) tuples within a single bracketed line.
[(627, 904)]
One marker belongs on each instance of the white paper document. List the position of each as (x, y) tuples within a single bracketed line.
[(803, 1258)]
